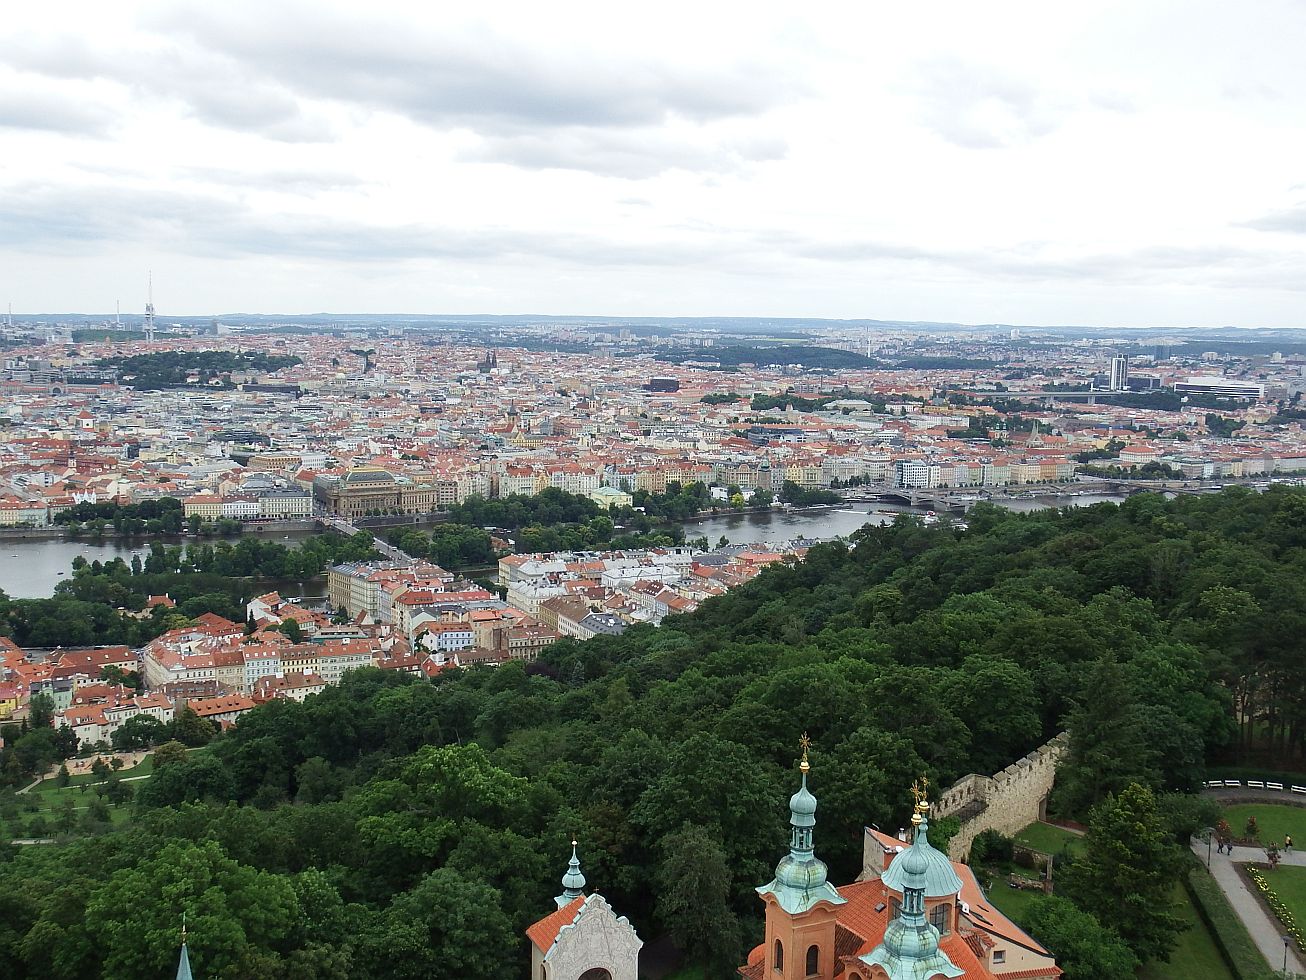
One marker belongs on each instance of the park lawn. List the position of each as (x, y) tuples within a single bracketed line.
[(1289, 883), (1196, 955), (1050, 840), (1273, 819), (1011, 902)]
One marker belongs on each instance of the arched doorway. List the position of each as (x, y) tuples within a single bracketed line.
[(598, 973)]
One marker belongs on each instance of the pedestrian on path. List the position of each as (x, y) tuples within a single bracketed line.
[(1287, 843)]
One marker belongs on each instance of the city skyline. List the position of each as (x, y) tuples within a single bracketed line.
[(1129, 165)]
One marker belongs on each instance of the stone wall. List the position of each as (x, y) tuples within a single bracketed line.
[(1006, 802)]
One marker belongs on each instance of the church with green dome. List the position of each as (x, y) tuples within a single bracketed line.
[(913, 914)]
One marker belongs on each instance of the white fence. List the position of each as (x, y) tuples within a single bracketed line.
[(1255, 784)]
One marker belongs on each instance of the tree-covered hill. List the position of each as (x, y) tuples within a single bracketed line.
[(337, 837), (171, 369)]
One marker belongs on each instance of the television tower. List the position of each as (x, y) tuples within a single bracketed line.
[(149, 312)]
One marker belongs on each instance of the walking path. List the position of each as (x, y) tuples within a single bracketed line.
[(1266, 931)]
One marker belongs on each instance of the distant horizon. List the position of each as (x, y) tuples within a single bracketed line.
[(595, 319)]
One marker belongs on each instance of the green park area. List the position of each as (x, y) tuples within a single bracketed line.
[(1012, 902), (1195, 955), (85, 804), (1273, 820), (1289, 884), (1050, 839)]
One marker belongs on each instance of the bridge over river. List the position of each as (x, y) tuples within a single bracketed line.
[(380, 544), (960, 499)]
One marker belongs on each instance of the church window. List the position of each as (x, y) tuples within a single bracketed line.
[(813, 960), (999, 956), (779, 956), (598, 973), (939, 917)]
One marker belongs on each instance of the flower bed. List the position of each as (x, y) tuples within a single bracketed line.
[(1276, 906)]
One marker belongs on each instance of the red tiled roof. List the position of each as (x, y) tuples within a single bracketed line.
[(545, 931)]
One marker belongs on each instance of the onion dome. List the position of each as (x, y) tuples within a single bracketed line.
[(938, 877), (573, 882)]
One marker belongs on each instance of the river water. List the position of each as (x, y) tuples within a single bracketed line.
[(780, 526), (30, 568)]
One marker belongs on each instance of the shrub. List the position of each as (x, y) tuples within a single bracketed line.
[(1228, 931), (991, 846)]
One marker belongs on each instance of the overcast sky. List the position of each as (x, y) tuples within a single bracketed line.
[(1132, 163)]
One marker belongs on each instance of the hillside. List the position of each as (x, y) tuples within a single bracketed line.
[(341, 835)]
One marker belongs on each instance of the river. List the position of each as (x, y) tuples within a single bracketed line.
[(780, 526), (30, 568)]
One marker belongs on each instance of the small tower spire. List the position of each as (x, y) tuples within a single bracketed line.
[(800, 877), (573, 882), (183, 964)]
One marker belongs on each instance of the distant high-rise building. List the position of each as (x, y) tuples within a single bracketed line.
[(1119, 373)]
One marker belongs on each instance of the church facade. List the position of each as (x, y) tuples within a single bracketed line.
[(913, 915), (584, 939)]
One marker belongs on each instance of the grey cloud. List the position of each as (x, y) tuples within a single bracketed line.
[(1291, 220), (1032, 262), (978, 107), (53, 113), (478, 78), (212, 88), (61, 221), (622, 153), (533, 105)]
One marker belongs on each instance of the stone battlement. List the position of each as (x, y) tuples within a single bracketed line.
[(1007, 801)]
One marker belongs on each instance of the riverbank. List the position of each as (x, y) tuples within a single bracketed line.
[(719, 512), (30, 568), (62, 532)]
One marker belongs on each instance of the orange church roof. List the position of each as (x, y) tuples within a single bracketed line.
[(545, 931)]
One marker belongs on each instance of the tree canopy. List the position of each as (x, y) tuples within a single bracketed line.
[(1164, 634)]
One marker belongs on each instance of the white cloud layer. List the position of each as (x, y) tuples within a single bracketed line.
[(1133, 163)]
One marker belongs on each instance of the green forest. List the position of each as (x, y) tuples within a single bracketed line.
[(170, 369), (394, 828)]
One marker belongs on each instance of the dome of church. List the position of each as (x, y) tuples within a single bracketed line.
[(911, 941), (938, 878), (805, 874), (803, 803)]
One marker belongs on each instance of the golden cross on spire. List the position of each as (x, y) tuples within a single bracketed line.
[(918, 790), (804, 743)]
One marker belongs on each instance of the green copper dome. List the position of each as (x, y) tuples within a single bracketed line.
[(802, 805), (573, 882), (939, 880), (910, 948)]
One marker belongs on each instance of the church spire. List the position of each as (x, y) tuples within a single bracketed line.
[(573, 882), (183, 964), (800, 877)]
